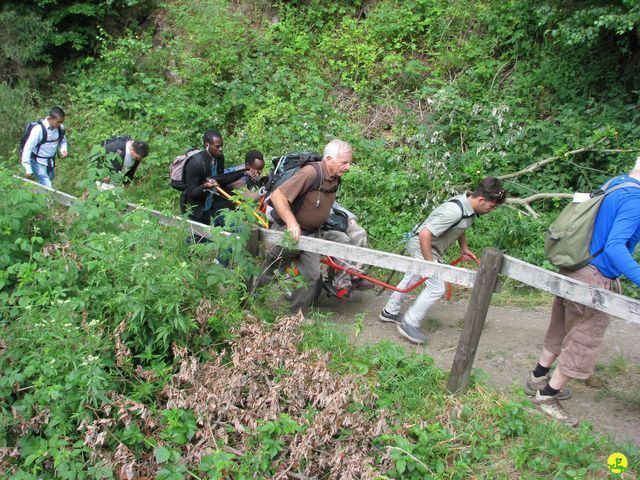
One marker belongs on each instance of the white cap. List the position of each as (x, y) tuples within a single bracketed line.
[(637, 166)]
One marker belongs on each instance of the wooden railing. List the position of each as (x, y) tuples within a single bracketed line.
[(484, 281)]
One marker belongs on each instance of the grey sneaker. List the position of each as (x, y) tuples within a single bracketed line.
[(532, 384), (411, 333), (389, 317), (551, 407)]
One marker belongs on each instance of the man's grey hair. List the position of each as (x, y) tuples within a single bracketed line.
[(636, 167), (335, 147)]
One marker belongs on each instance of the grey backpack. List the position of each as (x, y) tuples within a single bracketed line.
[(176, 169)]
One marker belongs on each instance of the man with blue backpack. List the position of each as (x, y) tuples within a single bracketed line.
[(597, 254), (41, 142)]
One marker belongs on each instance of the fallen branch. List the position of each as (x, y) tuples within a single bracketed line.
[(297, 476), (526, 202), (412, 457), (537, 165)]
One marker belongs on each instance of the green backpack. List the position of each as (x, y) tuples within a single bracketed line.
[(567, 240)]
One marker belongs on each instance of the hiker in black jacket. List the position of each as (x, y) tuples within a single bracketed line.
[(130, 153), (199, 197)]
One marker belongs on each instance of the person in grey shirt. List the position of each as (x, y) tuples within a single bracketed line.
[(428, 241)]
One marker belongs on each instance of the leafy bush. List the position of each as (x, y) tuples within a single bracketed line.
[(34, 37), (96, 311), (17, 104), (434, 96)]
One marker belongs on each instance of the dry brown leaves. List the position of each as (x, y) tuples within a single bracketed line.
[(123, 353), (7, 455), (124, 411), (34, 423), (266, 377), (204, 312), (263, 376), (64, 250)]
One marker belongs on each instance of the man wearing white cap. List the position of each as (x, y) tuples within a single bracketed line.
[(576, 332)]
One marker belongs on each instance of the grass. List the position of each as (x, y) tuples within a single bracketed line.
[(514, 294), (431, 325), (619, 379), (480, 434)]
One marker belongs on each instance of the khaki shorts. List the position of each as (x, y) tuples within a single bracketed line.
[(575, 331)]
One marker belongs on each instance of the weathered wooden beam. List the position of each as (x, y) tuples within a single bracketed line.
[(554, 283), (612, 303), (57, 195), (474, 320), (447, 273), (171, 220)]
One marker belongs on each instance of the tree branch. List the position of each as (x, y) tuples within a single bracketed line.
[(526, 202), (297, 476), (537, 165)]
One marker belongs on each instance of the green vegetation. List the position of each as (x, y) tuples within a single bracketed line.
[(117, 360), (434, 95), (101, 309), (620, 380)]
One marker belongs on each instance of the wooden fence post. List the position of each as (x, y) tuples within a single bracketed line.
[(252, 248), (474, 319)]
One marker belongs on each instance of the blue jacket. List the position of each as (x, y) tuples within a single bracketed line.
[(617, 229)]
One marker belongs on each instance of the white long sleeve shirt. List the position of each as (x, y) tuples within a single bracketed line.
[(128, 161), (47, 150)]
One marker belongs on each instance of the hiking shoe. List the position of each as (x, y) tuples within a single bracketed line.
[(362, 284), (532, 384), (550, 406), (411, 333), (389, 317)]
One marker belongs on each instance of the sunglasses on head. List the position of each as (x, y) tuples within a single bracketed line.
[(498, 196)]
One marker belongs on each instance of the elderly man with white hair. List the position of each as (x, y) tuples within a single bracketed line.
[(575, 333), (317, 199)]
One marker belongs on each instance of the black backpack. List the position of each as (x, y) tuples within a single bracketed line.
[(109, 143), (283, 169), (27, 131)]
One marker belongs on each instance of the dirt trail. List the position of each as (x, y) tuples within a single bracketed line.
[(510, 342)]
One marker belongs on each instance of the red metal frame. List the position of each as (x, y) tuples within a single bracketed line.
[(330, 262), (454, 263)]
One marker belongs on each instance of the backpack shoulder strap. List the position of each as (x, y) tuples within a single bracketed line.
[(459, 204), (319, 179), (418, 227), (188, 155), (607, 190), (319, 176), (44, 138)]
